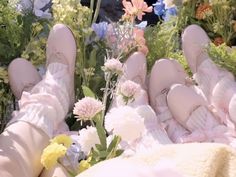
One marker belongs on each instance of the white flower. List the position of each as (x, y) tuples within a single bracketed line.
[(87, 108), (88, 137), (129, 90), (125, 122), (24, 5), (113, 65), (39, 10)]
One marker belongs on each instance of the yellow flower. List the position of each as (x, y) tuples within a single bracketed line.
[(51, 154), (84, 165), (3, 75), (62, 139)]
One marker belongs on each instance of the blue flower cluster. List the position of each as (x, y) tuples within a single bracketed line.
[(100, 29), (161, 10)]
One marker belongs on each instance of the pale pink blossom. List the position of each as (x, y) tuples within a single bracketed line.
[(113, 65), (88, 137), (129, 89), (136, 8), (87, 108), (140, 40), (125, 122)]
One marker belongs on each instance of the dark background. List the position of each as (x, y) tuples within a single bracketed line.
[(112, 10)]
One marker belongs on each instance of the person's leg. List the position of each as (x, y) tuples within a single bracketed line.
[(22, 76), (41, 110), (56, 171), (216, 83), (164, 74)]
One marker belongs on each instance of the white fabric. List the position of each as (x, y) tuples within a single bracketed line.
[(48, 102)]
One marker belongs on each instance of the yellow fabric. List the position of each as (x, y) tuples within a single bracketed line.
[(192, 160)]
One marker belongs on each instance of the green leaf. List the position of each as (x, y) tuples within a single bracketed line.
[(92, 58), (99, 147), (94, 153), (119, 152), (103, 154), (114, 143), (102, 135), (88, 92)]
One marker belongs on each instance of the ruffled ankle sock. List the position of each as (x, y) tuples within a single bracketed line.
[(201, 119), (48, 103)]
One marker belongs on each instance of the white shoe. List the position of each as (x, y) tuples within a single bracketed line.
[(194, 43), (61, 48), (23, 76), (164, 74)]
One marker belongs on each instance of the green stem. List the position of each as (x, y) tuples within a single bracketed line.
[(97, 11), (105, 95), (92, 123), (91, 8)]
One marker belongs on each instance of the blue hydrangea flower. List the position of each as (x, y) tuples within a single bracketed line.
[(159, 8), (100, 29), (170, 12), (74, 154)]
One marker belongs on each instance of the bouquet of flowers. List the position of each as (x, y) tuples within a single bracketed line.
[(102, 47)]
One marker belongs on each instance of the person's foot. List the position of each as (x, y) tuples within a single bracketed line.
[(194, 43), (23, 76), (135, 69), (164, 74), (61, 48), (183, 102)]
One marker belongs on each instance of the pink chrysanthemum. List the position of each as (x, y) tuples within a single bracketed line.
[(87, 108), (113, 65), (129, 89)]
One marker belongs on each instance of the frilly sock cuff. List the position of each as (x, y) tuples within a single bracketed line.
[(197, 120), (39, 116)]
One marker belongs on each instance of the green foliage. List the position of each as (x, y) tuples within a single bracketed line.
[(15, 30), (35, 50), (88, 92), (178, 55), (101, 152), (163, 41), (223, 56), (218, 22), (6, 99)]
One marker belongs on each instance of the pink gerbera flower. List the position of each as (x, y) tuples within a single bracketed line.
[(136, 8)]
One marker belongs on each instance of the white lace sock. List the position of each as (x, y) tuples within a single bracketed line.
[(201, 119), (48, 102)]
